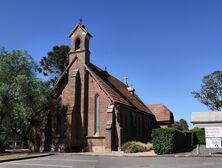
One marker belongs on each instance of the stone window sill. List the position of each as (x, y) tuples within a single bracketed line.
[(95, 137)]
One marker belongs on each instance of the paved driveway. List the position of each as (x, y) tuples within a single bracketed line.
[(115, 162)]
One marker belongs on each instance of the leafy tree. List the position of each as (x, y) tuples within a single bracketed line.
[(210, 92), (55, 62), (24, 99), (181, 125), (15, 80), (42, 99)]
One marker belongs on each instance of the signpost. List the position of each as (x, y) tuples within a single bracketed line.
[(213, 132), (213, 142), (213, 137)]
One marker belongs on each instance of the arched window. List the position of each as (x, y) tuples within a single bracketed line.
[(77, 44), (96, 119)]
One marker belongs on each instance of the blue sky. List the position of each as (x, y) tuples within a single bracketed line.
[(165, 47)]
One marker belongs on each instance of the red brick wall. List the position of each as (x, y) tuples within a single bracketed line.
[(68, 97), (134, 125), (100, 139)]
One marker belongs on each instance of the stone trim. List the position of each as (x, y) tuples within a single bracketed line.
[(95, 137), (74, 73), (108, 125), (110, 109)]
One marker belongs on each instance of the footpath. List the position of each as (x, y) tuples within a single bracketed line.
[(20, 154), (112, 154), (203, 152)]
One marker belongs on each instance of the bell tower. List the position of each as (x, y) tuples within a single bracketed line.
[(79, 43), (78, 78)]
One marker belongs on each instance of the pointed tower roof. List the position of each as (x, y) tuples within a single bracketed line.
[(82, 26)]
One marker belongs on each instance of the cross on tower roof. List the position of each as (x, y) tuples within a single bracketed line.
[(80, 20), (126, 80)]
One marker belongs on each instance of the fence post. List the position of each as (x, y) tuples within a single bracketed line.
[(198, 149)]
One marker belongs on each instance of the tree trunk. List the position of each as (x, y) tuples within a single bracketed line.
[(2, 117), (25, 143)]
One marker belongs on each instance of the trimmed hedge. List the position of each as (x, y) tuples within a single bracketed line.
[(170, 140), (134, 147), (188, 139), (198, 136)]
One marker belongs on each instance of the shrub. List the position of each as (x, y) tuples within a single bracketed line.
[(170, 140), (134, 147), (149, 146), (163, 140), (198, 136)]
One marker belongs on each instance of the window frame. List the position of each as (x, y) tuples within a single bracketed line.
[(97, 115)]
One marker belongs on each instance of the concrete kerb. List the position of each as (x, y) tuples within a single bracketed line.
[(104, 154), (28, 157), (133, 155), (186, 156)]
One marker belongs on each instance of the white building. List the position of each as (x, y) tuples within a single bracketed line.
[(207, 119)]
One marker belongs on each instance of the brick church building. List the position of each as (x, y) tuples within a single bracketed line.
[(101, 112)]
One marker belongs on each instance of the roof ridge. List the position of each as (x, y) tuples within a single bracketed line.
[(113, 86), (111, 98), (132, 100), (98, 82), (160, 104)]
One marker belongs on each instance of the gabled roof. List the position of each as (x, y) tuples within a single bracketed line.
[(80, 26), (114, 88), (117, 90), (161, 112)]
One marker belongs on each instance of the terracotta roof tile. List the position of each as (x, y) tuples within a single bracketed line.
[(114, 96), (161, 112), (118, 90)]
